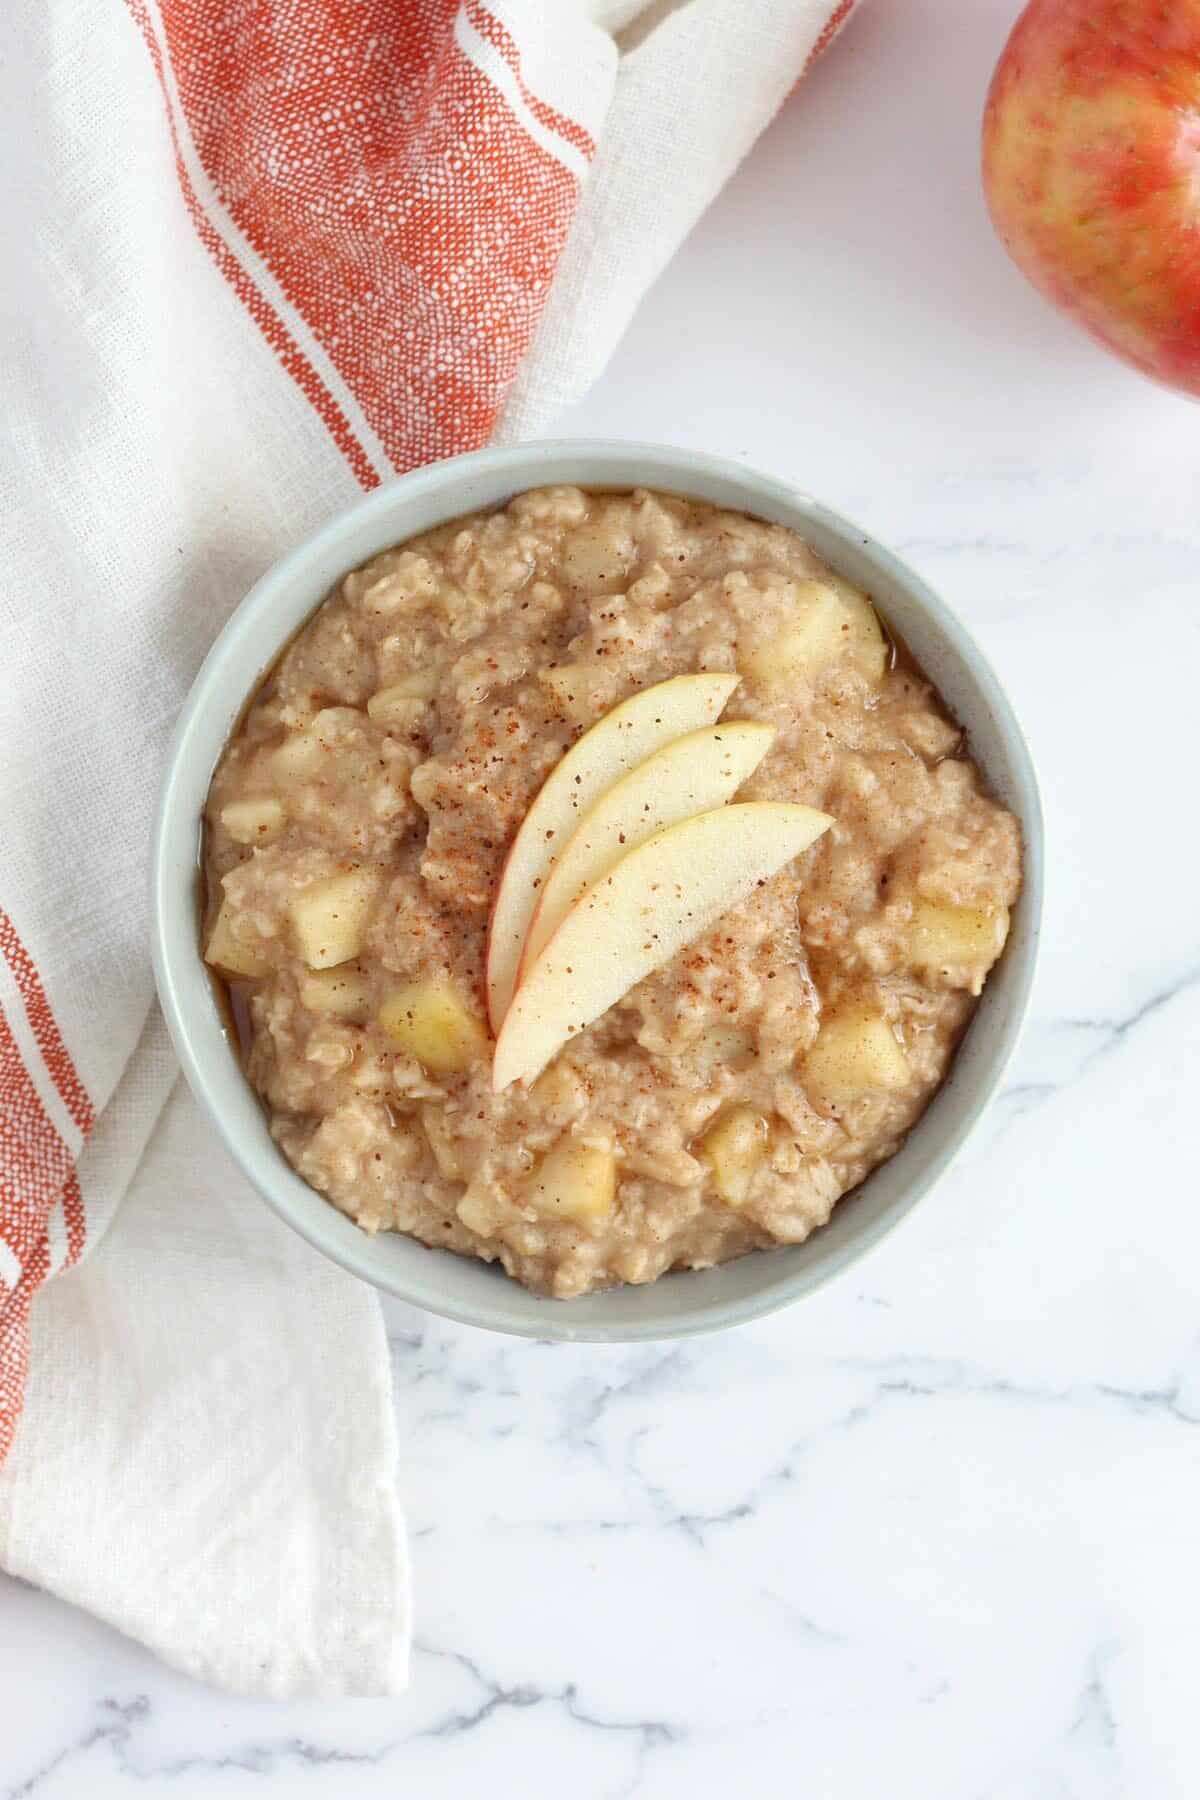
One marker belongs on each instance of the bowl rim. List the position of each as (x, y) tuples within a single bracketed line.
[(209, 691)]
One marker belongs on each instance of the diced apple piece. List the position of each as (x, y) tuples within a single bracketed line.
[(478, 1209), (734, 1148), (866, 642), (699, 771), (856, 1052), (422, 684), (616, 743), (560, 1089), (255, 821), (721, 1046), (658, 898), (597, 557), (403, 700), (810, 639), (957, 941), (576, 1182), (232, 954), (828, 623), (429, 1020), (342, 993), (329, 917), (395, 712), (299, 755), (579, 689), (303, 753), (444, 1142)]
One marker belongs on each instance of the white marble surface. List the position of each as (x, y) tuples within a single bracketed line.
[(933, 1534)]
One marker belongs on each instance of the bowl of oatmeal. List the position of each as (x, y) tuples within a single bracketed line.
[(596, 890)]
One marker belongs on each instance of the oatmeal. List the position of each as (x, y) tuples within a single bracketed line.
[(358, 828)]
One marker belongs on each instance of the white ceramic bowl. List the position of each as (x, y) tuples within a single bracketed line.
[(460, 1287)]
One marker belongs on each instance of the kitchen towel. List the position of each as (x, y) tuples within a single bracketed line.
[(255, 260)]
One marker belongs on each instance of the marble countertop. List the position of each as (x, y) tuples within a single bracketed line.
[(933, 1533)]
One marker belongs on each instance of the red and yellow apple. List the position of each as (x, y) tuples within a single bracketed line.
[(1091, 166)]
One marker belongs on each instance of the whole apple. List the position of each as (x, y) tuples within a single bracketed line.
[(1091, 166)]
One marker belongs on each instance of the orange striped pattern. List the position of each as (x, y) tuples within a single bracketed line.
[(268, 320), (837, 19), (414, 226), (502, 40), (37, 1172), (45, 1030)]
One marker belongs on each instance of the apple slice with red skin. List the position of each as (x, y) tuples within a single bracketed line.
[(696, 773), (616, 743), (657, 899)]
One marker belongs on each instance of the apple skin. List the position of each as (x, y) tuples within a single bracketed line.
[(1091, 167)]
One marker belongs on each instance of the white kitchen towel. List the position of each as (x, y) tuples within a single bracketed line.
[(254, 261)]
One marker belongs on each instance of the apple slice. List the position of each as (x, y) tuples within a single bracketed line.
[(697, 772), (657, 899), (623, 737)]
